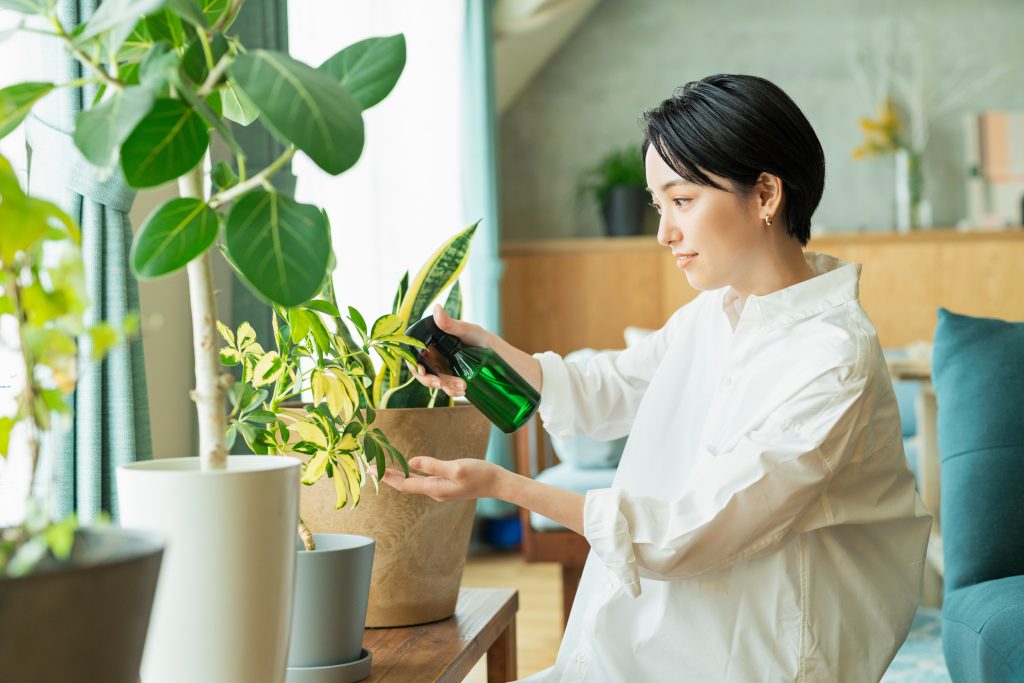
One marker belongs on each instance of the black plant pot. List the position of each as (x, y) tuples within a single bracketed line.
[(623, 211), (84, 619), (332, 591)]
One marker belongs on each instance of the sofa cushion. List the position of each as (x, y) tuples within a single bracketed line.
[(978, 372), (565, 476), (981, 631)]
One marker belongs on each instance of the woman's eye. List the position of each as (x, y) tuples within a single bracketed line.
[(680, 199)]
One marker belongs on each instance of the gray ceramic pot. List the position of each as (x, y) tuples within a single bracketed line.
[(84, 619), (332, 590)]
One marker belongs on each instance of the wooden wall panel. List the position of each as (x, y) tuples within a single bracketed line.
[(564, 295)]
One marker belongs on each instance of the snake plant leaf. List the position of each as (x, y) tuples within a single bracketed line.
[(16, 102), (369, 69), (166, 144), (436, 275), (402, 287), (453, 304), (175, 233), (100, 131), (305, 106), (278, 245)]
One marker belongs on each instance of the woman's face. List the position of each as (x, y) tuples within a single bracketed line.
[(722, 228)]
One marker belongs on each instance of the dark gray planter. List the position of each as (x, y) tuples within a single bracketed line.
[(332, 590), (624, 211), (85, 619)]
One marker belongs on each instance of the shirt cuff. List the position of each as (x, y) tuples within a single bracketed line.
[(607, 530), (556, 408)]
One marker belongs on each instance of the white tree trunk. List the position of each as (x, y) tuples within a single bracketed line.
[(209, 392)]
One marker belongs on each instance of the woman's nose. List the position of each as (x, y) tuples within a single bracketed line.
[(667, 232)]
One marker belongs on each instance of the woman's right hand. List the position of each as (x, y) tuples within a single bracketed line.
[(468, 333)]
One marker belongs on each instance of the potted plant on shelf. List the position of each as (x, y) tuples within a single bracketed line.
[(56, 579), (420, 544), (169, 74), (616, 184)]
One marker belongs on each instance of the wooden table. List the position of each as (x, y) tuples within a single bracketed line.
[(446, 651)]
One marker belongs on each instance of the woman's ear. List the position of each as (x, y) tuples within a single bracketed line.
[(769, 191)]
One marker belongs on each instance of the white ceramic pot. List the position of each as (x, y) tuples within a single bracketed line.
[(223, 604)]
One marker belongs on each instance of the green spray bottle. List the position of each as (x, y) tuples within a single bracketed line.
[(492, 385)]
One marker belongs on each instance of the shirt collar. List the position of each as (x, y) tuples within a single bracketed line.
[(835, 283)]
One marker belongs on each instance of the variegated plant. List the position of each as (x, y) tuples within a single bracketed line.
[(316, 352)]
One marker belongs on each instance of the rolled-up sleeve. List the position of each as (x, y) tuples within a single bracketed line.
[(600, 398), (740, 502)]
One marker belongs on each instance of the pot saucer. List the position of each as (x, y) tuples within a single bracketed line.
[(349, 672)]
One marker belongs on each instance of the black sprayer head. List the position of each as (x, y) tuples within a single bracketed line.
[(427, 331)]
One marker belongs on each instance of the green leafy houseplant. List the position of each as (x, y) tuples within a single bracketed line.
[(335, 432), (618, 168), (170, 76), (41, 284)]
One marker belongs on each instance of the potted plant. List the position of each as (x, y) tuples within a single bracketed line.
[(616, 184), (56, 579), (420, 544), (170, 73)]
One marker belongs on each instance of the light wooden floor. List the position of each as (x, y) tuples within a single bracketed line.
[(539, 620)]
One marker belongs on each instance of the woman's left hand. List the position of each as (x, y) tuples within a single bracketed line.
[(445, 480)]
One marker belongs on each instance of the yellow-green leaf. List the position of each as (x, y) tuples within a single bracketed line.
[(310, 432), (245, 336), (314, 468), (386, 325), (104, 338), (340, 490), (268, 369)]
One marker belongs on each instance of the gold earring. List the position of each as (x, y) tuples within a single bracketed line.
[(768, 220)]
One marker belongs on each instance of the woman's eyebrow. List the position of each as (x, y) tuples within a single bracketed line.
[(671, 183)]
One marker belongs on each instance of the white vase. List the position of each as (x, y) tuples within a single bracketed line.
[(223, 604)]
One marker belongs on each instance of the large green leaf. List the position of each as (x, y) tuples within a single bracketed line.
[(28, 6), (16, 102), (369, 69), (188, 10), (166, 144), (175, 233), (166, 25), (237, 106), (117, 18), (279, 246), (305, 106), (100, 131), (213, 9)]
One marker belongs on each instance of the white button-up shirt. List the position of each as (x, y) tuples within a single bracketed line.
[(763, 523)]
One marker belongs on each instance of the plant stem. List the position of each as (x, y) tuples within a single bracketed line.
[(238, 190), (306, 535), (209, 392)]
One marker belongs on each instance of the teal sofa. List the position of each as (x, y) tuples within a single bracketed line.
[(978, 374)]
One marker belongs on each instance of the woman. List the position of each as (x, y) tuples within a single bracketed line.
[(762, 524)]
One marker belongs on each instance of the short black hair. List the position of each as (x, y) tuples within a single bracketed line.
[(737, 127)]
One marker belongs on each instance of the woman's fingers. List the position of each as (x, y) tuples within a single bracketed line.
[(453, 386)]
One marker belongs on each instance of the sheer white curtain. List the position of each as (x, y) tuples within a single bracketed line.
[(404, 196), (19, 59)]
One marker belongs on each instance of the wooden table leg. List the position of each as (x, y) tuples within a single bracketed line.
[(501, 657)]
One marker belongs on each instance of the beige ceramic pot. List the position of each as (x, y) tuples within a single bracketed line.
[(421, 544)]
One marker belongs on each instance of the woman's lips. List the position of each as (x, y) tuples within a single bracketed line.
[(683, 260)]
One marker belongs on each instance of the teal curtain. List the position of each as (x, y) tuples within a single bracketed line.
[(480, 199), (111, 414)]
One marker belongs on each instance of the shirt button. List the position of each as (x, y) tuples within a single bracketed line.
[(608, 586), (727, 381), (582, 659)]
